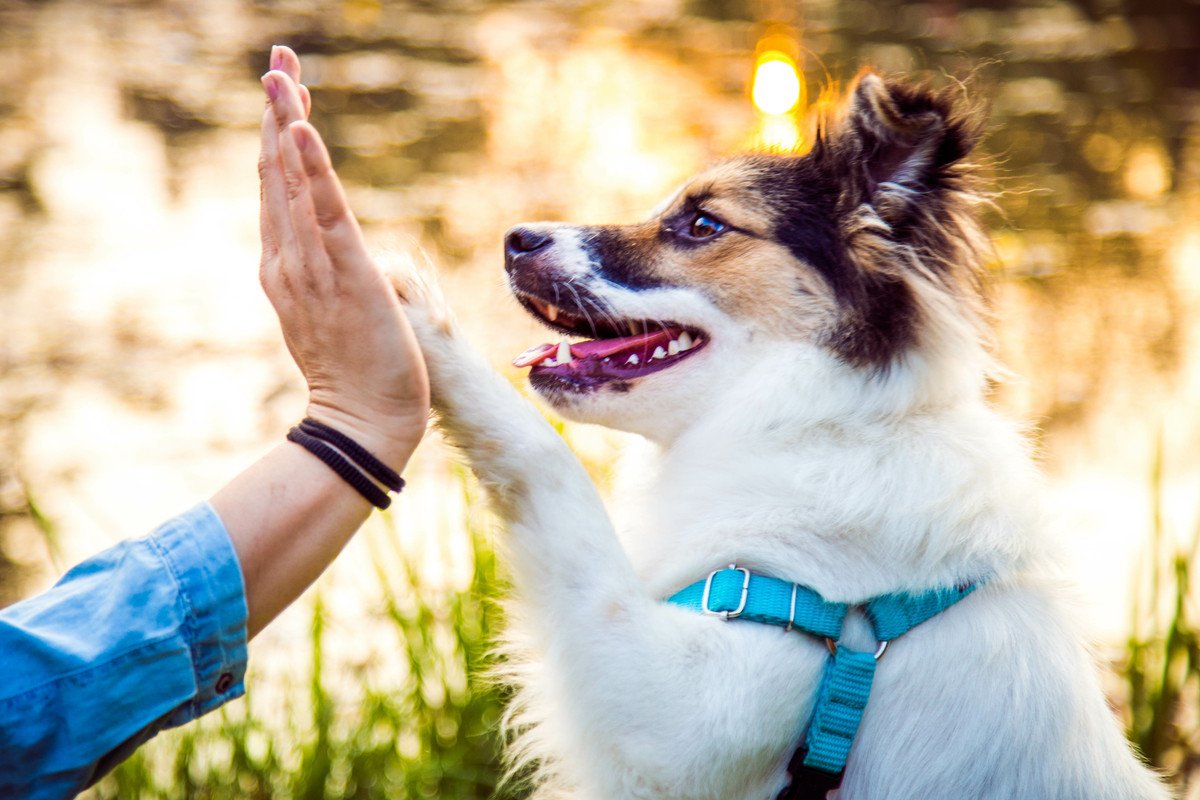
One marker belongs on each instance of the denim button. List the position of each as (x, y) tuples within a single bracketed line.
[(224, 682)]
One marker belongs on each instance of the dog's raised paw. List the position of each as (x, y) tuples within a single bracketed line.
[(419, 292)]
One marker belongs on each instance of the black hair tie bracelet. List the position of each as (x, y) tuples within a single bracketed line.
[(357, 453), (345, 470)]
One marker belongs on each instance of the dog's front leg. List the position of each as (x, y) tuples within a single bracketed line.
[(615, 702), (562, 540)]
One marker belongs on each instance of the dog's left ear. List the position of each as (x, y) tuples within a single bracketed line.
[(903, 140)]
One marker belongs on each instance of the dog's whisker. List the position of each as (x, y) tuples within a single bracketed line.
[(582, 308), (605, 308)]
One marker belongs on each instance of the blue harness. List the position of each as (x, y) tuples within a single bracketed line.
[(737, 593)]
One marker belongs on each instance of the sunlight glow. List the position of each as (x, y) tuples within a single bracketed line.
[(778, 132), (778, 95), (1147, 171), (777, 84), (1187, 262)]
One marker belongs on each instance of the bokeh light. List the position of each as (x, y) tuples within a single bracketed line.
[(1147, 173), (777, 86)]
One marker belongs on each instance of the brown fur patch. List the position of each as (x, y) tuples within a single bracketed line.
[(744, 272)]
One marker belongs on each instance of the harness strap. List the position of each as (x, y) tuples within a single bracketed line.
[(893, 615), (736, 592), (841, 700), (764, 599)]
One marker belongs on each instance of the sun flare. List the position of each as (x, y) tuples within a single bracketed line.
[(777, 86)]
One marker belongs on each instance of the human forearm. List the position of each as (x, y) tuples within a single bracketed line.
[(288, 515), (152, 632)]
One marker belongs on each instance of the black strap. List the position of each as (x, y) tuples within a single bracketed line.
[(357, 453), (808, 783), (345, 470)]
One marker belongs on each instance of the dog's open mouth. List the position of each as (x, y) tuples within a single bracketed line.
[(621, 349)]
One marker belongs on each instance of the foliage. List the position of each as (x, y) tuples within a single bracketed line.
[(1162, 656), (433, 732)]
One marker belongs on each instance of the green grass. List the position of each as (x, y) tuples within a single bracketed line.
[(431, 729), (1162, 655)]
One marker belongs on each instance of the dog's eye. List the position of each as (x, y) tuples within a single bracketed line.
[(706, 227)]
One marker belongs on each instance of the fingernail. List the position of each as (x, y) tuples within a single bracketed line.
[(276, 57), (272, 87)]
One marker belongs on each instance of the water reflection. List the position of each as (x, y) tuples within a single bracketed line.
[(140, 365)]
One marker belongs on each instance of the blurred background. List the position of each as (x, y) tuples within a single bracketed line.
[(140, 367)]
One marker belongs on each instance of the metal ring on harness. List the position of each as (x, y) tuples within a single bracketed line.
[(831, 646), (726, 615)]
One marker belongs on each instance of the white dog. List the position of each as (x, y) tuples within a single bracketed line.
[(802, 336)]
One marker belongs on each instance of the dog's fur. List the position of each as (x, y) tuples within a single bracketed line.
[(833, 431)]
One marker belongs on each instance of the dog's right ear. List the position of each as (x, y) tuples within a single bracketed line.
[(902, 140), (897, 156)]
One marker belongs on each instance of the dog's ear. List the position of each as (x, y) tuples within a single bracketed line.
[(897, 156), (903, 141)]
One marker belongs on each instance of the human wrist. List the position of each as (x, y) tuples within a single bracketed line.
[(391, 439)]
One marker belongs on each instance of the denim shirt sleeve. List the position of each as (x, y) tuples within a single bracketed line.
[(147, 635)]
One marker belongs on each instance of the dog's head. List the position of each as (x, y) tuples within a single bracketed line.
[(856, 262)]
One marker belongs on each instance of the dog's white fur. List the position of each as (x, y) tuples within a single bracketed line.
[(797, 474), (775, 454)]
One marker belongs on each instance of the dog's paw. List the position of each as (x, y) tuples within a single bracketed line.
[(420, 294)]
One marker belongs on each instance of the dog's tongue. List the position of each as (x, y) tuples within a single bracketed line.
[(598, 348)]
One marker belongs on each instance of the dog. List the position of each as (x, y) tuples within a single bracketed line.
[(803, 340)]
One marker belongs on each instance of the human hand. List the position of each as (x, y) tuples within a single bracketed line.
[(341, 320)]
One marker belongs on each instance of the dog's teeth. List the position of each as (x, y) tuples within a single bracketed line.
[(658, 353), (564, 352), (673, 348), (633, 359), (685, 341), (551, 312), (549, 362)]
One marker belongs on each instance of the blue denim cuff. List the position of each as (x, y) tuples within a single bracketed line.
[(144, 635), (196, 549)]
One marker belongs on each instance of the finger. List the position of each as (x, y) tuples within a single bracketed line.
[(284, 59), (284, 96), (270, 246), (339, 230), (279, 239), (266, 177), (313, 259), (305, 100), (275, 222)]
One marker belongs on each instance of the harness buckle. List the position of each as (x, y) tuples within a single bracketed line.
[(726, 615)]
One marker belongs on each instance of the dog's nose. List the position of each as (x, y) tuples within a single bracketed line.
[(521, 240)]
